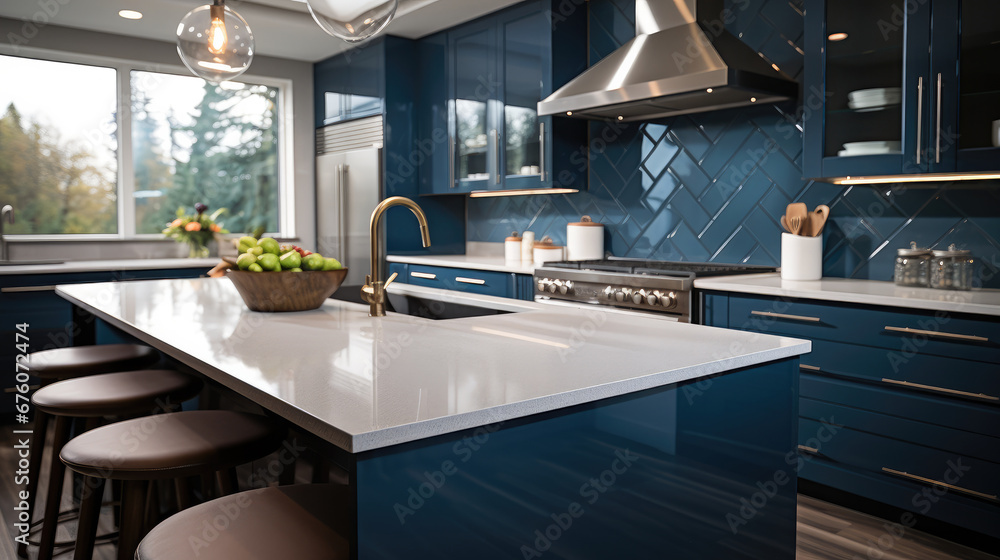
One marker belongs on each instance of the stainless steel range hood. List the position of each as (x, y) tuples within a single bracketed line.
[(682, 60)]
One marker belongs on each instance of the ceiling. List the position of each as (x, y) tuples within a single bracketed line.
[(281, 28)]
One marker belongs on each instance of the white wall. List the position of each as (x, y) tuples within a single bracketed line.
[(80, 41)]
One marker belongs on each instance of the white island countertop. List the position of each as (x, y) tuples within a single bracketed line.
[(366, 383), (868, 292), (107, 266)]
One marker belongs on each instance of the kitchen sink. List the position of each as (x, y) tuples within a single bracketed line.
[(416, 306), (22, 263)]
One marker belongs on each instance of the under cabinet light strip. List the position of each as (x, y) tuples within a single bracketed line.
[(881, 180), (520, 192)]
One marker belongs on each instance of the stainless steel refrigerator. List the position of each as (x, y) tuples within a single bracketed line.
[(348, 187)]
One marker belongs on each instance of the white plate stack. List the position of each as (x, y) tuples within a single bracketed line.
[(875, 99), (871, 148)]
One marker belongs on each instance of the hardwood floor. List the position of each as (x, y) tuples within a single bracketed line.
[(825, 531)]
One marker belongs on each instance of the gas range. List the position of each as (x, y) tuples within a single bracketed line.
[(642, 285)]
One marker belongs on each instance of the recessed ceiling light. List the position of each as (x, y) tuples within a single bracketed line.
[(837, 36), (130, 14)]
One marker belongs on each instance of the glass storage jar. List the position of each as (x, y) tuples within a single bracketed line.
[(952, 269), (912, 266)]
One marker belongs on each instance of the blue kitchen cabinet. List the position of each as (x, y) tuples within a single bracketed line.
[(349, 86), (483, 282), (891, 400), (480, 123)]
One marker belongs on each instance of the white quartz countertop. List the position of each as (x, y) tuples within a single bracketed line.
[(106, 266), (872, 292), (364, 383), (472, 262)]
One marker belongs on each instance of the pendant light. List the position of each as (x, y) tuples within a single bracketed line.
[(215, 42), (353, 20)]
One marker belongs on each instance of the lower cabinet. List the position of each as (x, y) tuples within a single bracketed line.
[(484, 282), (896, 405)]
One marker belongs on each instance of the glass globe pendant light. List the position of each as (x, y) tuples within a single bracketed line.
[(215, 42), (353, 20)]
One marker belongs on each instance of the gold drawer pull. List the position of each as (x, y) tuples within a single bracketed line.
[(939, 483), (807, 449), (908, 330), (808, 367), (941, 389), (464, 280), (424, 275), (783, 316), (18, 289)]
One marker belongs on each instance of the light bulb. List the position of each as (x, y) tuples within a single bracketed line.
[(215, 43), (353, 20), (217, 39)]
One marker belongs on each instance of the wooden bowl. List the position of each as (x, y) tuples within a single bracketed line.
[(286, 291)]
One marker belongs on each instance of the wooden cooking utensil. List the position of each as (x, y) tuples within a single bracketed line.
[(784, 224), (818, 219), (796, 214), (795, 224)]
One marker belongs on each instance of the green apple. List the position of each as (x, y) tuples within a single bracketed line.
[(314, 261), (255, 268), (295, 270), (246, 242), (256, 251), (245, 260), (330, 263), (269, 261), (290, 260), (270, 245)]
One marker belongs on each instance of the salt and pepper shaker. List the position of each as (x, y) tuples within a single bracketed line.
[(528, 246), (912, 266)]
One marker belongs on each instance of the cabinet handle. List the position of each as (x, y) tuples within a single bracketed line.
[(920, 111), (342, 210), (476, 281), (908, 330), (451, 162), (496, 152), (941, 389), (424, 275), (939, 483), (783, 316), (541, 149), (937, 142), (810, 368), (17, 289), (808, 449)]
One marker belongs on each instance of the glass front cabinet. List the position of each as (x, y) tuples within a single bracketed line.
[(901, 88)]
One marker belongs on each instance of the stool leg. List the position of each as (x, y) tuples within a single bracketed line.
[(35, 450), (229, 483), (183, 488), (57, 472), (90, 514), (130, 532)]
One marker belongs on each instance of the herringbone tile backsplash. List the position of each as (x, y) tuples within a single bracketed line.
[(712, 186)]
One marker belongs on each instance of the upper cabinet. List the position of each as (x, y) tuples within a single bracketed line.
[(886, 95), (481, 125)]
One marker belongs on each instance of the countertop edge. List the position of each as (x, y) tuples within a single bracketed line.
[(71, 267)]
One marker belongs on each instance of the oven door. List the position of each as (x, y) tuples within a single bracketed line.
[(606, 308)]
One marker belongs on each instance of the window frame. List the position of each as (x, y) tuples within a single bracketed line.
[(123, 120)]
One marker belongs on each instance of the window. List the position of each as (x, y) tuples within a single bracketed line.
[(67, 166)]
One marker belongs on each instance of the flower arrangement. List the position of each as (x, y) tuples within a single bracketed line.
[(195, 230)]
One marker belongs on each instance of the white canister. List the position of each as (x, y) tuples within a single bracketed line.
[(512, 249), (801, 257), (584, 240), (527, 246), (545, 251)]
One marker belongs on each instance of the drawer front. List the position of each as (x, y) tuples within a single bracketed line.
[(934, 375), (429, 276), (483, 282), (904, 403), (961, 442), (904, 331), (968, 476)]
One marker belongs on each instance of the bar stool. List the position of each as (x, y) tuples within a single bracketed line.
[(58, 364), (305, 522), (165, 446), (123, 394)]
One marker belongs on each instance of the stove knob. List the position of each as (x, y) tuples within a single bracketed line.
[(543, 283), (621, 294), (668, 300), (638, 296), (565, 287), (553, 286), (609, 293), (653, 298)]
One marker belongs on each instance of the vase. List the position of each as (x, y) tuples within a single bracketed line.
[(197, 249)]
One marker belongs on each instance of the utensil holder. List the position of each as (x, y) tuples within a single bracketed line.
[(801, 257)]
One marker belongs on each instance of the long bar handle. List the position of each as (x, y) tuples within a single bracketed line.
[(808, 449), (939, 483), (464, 280), (784, 316), (424, 275), (496, 152), (941, 389), (937, 142), (939, 334), (342, 204), (451, 162), (541, 149), (809, 368), (920, 111), (18, 289)]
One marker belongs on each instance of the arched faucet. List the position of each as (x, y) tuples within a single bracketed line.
[(374, 289)]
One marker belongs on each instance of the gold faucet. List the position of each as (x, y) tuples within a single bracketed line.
[(374, 289)]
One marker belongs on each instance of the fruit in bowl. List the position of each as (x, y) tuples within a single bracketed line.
[(273, 277)]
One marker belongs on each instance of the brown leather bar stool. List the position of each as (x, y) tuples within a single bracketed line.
[(58, 364), (165, 446), (123, 394), (305, 522)]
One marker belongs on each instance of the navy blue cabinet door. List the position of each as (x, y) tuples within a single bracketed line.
[(476, 83)]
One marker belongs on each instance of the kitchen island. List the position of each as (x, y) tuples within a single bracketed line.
[(531, 432)]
